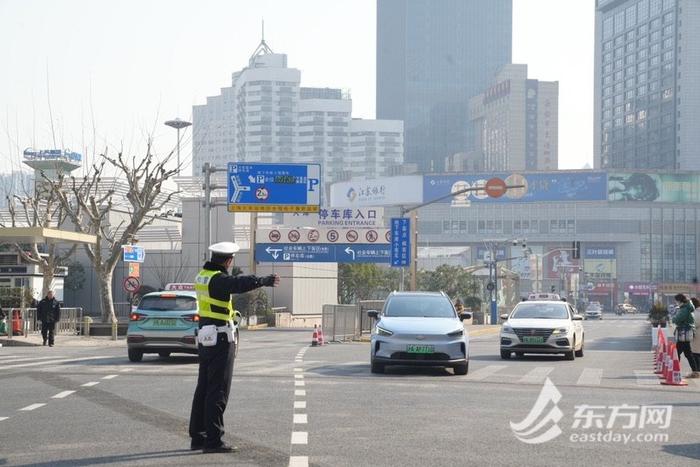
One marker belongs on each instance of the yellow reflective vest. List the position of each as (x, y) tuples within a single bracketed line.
[(208, 306)]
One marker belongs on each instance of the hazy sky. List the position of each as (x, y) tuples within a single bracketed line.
[(134, 63)]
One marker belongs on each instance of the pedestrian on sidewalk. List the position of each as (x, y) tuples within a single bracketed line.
[(684, 319), (695, 344), (49, 313)]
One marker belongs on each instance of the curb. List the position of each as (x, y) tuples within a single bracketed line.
[(15, 342)]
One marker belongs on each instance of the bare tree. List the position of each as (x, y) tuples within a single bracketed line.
[(43, 209), (91, 208), (172, 268)]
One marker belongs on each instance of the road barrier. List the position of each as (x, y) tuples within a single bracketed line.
[(340, 322), (25, 320)]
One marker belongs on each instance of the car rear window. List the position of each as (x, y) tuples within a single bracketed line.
[(177, 303), (526, 310), (420, 306)]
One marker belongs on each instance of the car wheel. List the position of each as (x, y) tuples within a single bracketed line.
[(377, 368), (519, 354), (135, 355), (571, 355), (505, 354), (579, 352), (164, 354), (462, 369)]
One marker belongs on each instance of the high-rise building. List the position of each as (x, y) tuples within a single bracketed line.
[(432, 57), (266, 116), (515, 122), (647, 84)]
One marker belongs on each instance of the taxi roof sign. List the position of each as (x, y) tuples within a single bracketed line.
[(182, 286)]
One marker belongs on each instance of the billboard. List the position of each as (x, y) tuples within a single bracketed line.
[(383, 191), (662, 188), (540, 186), (559, 263), (600, 268)]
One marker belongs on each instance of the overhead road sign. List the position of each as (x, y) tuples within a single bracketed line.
[(133, 254), (337, 217), (321, 253), (400, 241), (274, 187), (322, 235)]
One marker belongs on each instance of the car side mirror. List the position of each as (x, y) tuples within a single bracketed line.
[(373, 314), (504, 317), (465, 315), (578, 318)]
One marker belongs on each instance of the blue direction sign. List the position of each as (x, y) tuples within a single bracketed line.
[(274, 187), (400, 241), (321, 253), (133, 254)]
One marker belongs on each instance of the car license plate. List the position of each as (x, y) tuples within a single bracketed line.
[(533, 340), (420, 348), (164, 322)]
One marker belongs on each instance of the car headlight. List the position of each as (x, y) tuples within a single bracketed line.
[(383, 332), (561, 331), (456, 333), (507, 328)]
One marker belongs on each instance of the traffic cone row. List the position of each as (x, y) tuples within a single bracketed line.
[(317, 336), (666, 362)]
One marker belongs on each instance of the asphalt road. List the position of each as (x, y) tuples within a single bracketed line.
[(292, 404)]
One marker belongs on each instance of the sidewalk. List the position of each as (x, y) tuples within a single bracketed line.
[(61, 340)]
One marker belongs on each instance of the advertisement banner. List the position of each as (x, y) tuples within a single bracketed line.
[(559, 263), (662, 188), (640, 288), (599, 252), (383, 191), (483, 253), (600, 268), (541, 186)]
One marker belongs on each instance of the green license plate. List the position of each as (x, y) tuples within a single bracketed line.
[(420, 348), (533, 340), (164, 322)]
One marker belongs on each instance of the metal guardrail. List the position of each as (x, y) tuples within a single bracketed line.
[(25, 320), (340, 322), (366, 323)]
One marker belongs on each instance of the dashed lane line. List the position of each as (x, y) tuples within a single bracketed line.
[(63, 394), (300, 419), (31, 407), (300, 392), (299, 383), (18, 359), (300, 437), (51, 362), (537, 375), (90, 384), (3, 418), (299, 461), (109, 376), (299, 404)]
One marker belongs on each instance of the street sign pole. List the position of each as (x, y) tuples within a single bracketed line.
[(253, 239), (414, 249), (207, 208)]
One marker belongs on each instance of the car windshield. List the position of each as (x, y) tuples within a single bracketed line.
[(425, 306), (160, 303), (540, 311)]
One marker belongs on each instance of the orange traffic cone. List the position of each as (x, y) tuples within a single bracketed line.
[(314, 337), (668, 361), (658, 365), (675, 378), (321, 340)]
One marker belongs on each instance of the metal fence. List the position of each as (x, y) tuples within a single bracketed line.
[(340, 323), (366, 322), (25, 319)]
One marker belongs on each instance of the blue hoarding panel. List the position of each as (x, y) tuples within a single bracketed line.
[(321, 253), (274, 187), (550, 186), (400, 242), (133, 254)]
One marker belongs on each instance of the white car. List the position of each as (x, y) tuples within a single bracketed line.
[(594, 311), (419, 328), (543, 327)]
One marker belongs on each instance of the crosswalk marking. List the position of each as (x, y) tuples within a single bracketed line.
[(483, 373), (51, 362), (31, 407), (646, 378), (109, 376), (537, 375), (590, 377), (3, 418), (90, 384), (63, 394)]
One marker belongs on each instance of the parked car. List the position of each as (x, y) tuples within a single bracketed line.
[(593, 311), (419, 328), (542, 327)]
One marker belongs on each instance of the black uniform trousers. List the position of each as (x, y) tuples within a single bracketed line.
[(211, 395), (47, 331)]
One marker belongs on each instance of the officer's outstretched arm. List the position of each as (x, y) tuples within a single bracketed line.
[(242, 284)]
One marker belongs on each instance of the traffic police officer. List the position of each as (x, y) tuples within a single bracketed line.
[(214, 287)]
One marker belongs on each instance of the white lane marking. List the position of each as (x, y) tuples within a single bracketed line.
[(483, 373), (300, 418), (21, 359), (298, 360), (50, 362), (300, 392), (299, 461), (124, 370), (300, 437), (590, 377), (90, 384), (537, 375), (110, 376), (3, 418), (646, 378), (63, 394), (299, 383), (298, 376), (31, 407), (299, 404), (298, 370)]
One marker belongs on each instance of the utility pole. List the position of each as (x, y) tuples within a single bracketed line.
[(207, 170)]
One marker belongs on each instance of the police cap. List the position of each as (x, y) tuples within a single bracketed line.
[(224, 248)]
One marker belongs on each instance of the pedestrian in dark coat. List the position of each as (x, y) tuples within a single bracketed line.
[(49, 313), (684, 319)]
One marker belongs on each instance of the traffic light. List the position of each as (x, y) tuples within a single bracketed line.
[(576, 246)]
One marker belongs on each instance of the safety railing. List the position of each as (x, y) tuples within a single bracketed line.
[(340, 322), (24, 321)]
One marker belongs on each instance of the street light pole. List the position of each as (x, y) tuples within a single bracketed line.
[(178, 125)]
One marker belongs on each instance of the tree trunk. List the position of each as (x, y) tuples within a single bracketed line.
[(106, 302), (47, 280)]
